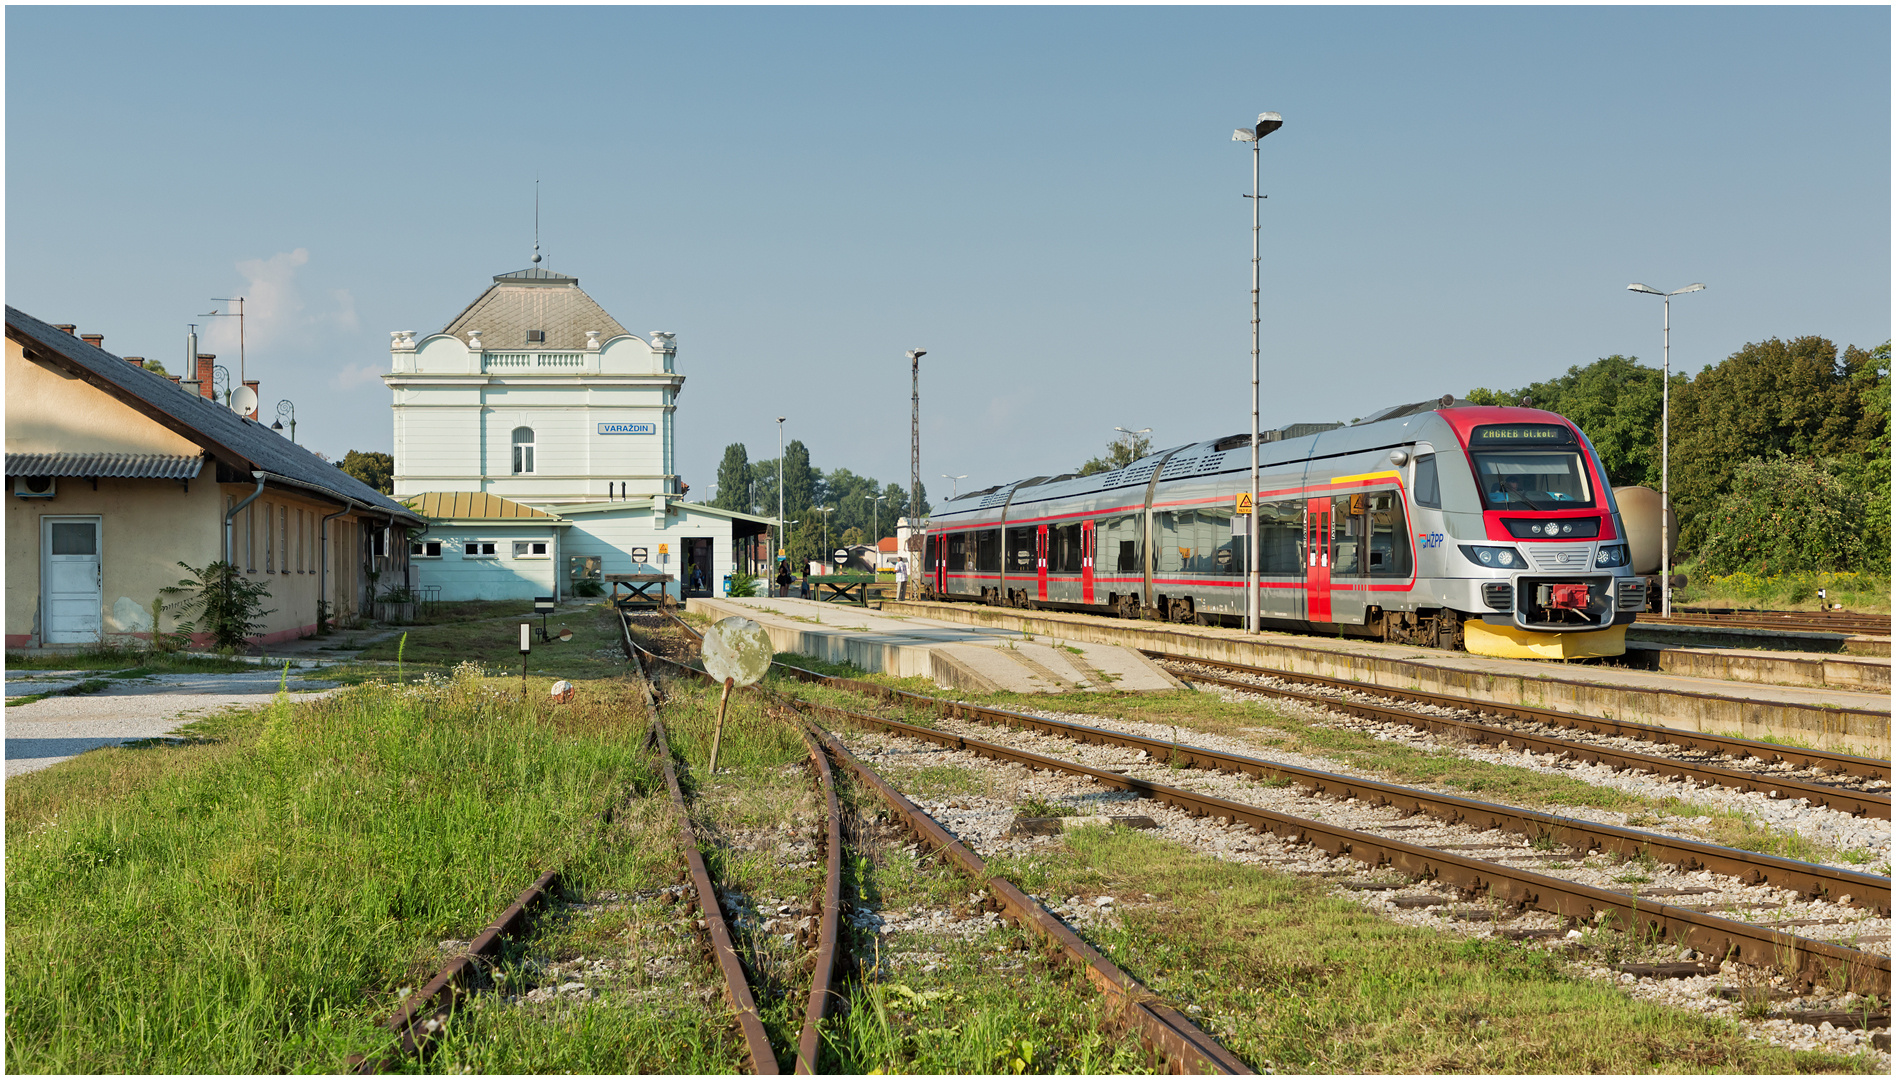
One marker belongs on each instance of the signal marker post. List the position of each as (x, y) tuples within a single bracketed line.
[(526, 643)]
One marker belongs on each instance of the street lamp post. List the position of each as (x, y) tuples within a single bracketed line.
[(954, 484), (286, 407), (1665, 439), (825, 511), (915, 447), (1132, 437), (1267, 122), (780, 525), (875, 526)]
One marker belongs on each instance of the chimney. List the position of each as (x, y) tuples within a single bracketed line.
[(97, 341), (205, 372), (252, 383), (70, 328), (135, 361)]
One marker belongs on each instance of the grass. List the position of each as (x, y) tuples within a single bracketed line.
[(495, 643), (1857, 592), (254, 899), (115, 658), (86, 686), (1295, 980)]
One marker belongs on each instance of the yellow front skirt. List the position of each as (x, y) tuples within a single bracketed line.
[(1514, 643)]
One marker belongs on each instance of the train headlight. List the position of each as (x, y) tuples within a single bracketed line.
[(1612, 555), (1502, 558)]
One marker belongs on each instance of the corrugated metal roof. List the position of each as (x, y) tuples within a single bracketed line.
[(535, 300), (238, 441), (472, 505), (141, 466)]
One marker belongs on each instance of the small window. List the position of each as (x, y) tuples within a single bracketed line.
[(1428, 487), (283, 537), (425, 549), (75, 538), (536, 337), (480, 549), (529, 549), (269, 539), (522, 450)]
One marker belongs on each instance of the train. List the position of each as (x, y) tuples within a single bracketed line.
[(1486, 528)]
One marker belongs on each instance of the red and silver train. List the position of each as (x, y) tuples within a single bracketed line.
[(1435, 524)]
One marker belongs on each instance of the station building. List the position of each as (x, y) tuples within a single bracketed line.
[(534, 432), (116, 474)]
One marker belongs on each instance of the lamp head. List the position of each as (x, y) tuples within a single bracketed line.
[(1268, 122), (1637, 287), (1243, 135), (278, 426), (917, 354), (1697, 286)]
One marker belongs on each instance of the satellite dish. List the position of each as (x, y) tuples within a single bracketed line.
[(737, 649), (243, 401)]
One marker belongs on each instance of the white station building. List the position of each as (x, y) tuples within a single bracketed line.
[(535, 435)]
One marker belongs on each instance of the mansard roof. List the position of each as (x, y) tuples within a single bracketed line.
[(534, 299)]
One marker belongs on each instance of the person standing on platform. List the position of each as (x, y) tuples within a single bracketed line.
[(783, 577), (901, 578)]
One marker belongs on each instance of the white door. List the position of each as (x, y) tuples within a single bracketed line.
[(70, 577)]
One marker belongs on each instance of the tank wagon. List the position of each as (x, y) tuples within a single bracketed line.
[(1438, 523)]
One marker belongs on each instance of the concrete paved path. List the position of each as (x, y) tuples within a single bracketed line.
[(51, 730)]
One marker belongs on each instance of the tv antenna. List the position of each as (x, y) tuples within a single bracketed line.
[(239, 316)]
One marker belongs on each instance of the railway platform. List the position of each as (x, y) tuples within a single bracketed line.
[(1827, 717), (981, 659)]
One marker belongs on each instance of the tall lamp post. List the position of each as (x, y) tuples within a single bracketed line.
[(954, 484), (915, 449), (1266, 123), (825, 511), (1665, 439), (875, 519), (286, 407), (1132, 437), (780, 525)]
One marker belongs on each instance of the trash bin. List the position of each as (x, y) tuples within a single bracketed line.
[(727, 584)]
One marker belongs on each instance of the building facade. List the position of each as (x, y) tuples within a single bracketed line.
[(117, 474), (535, 395)]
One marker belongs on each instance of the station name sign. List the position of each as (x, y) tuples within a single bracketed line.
[(1520, 435), (621, 428)]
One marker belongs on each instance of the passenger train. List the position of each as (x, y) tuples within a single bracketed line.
[(1439, 523)]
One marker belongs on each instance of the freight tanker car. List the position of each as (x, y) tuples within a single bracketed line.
[(1437, 524)]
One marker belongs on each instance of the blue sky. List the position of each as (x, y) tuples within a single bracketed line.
[(1046, 199)]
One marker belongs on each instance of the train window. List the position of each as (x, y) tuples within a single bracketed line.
[(1280, 525), (1389, 554), (1063, 548), (1532, 480), (928, 554), (1428, 486), (1346, 534), (1019, 551), (987, 553), (1195, 541), (957, 551), (1119, 539)]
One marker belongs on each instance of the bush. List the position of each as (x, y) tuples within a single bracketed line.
[(1783, 515), (742, 584), (222, 601), (588, 587)]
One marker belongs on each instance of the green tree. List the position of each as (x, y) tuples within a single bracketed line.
[(734, 480), (763, 479), (1767, 399), (222, 601), (375, 470), (1121, 452), (852, 536), (1783, 515), (799, 480)]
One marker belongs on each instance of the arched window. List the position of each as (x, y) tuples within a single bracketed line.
[(522, 450)]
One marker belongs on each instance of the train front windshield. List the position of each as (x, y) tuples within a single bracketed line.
[(1532, 480)]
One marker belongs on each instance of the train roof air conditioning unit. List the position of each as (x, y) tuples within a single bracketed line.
[(34, 487)]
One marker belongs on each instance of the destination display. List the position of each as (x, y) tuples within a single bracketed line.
[(1520, 435)]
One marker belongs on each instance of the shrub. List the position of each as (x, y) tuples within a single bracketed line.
[(220, 600), (1783, 515), (588, 587), (742, 584)]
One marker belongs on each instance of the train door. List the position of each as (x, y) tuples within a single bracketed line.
[(1317, 560), (939, 570), (1040, 558), (1087, 542)]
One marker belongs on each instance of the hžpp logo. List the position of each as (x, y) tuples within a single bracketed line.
[(622, 428)]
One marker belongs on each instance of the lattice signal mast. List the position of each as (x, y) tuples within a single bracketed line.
[(915, 448)]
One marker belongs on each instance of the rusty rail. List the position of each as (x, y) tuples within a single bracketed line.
[(829, 931), (1843, 800), (1769, 753), (1158, 1026), (425, 1015), (736, 986)]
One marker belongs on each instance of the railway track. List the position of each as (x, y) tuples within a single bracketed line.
[(1805, 959), (1852, 784), (1130, 1004), (1875, 625)]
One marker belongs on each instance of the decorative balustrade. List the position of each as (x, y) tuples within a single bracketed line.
[(533, 361)]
